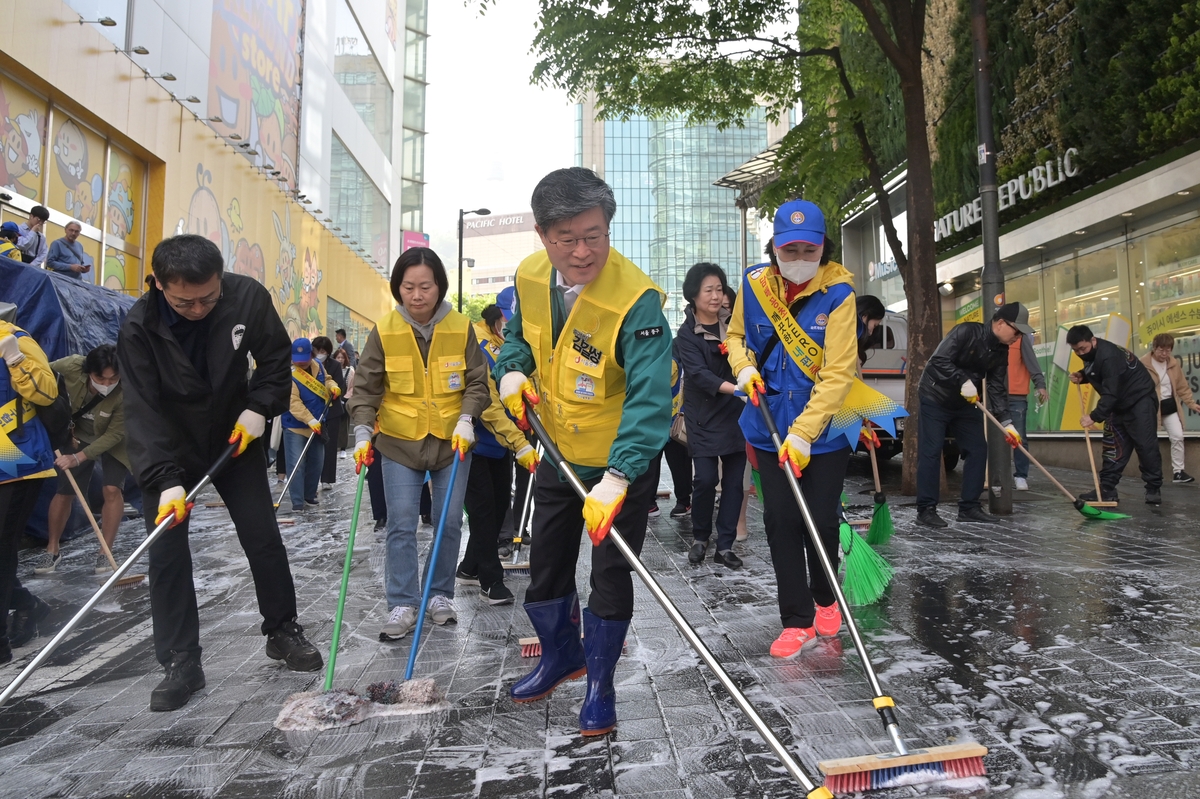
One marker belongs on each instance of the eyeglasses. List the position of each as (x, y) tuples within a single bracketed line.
[(203, 302), (569, 245)]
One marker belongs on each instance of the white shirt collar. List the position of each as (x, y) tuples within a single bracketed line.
[(570, 293)]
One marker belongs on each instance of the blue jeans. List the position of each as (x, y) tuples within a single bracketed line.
[(304, 484), (1018, 406), (966, 425), (402, 487)]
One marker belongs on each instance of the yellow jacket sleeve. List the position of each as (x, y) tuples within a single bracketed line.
[(735, 339), (32, 377), (496, 420), (836, 374)]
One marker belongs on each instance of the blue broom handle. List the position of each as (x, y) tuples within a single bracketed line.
[(431, 565)]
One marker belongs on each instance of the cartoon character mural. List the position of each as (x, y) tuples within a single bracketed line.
[(204, 215), (120, 202), (82, 198), (297, 291), (20, 144)]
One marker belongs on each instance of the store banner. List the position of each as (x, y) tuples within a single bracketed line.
[(1186, 315), (969, 311)]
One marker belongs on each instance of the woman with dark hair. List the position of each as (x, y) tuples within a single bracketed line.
[(870, 313), (422, 377), (711, 413), (335, 417)]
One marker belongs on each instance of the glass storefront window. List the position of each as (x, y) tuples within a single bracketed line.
[(1166, 274), (1026, 288), (357, 206), (1085, 288), (414, 104), (357, 70)]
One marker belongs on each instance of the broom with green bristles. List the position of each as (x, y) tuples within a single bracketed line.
[(881, 529)]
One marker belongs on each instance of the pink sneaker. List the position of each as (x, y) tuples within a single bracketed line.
[(828, 621), (792, 640)]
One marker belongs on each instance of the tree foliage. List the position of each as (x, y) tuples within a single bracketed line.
[(473, 304)]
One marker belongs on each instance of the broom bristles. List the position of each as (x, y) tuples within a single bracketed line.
[(873, 772), (866, 575), (881, 529)]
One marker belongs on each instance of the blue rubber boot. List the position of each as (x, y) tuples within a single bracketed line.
[(602, 643), (556, 622)]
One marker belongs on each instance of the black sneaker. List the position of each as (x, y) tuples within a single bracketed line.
[(1108, 494), (465, 577), (728, 559), (427, 519), (929, 517), (24, 625), (1183, 477), (184, 678), (680, 510), (976, 515), (380, 524), (654, 511), (312, 503), (1153, 496), (497, 594), (288, 644), (696, 554)]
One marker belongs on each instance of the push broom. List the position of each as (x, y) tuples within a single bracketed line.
[(901, 767), (881, 529), (1087, 442), (1083, 507), (124, 582), (813, 791)]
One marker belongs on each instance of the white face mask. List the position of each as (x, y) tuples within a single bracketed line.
[(799, 271), (321, 358), (103, 391)]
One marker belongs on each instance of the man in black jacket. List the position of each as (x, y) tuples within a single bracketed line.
[(949, 390), (1128, 407), (184, 352)]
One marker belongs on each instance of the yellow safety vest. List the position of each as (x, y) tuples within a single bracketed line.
[(488, 339), (581, 384), (423, 399)]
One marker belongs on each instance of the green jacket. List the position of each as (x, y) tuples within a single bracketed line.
[(107, 422)]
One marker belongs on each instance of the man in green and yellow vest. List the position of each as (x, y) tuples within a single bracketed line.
[(589, 329)]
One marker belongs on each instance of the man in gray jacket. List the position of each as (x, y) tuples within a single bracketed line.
[(1023, 367)]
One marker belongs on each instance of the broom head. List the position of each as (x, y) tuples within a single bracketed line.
[(875, 772), (1095, 513), (881, 529), (866, 575)]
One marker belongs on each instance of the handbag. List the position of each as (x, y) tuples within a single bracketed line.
[(1168, 406), (678, 430)]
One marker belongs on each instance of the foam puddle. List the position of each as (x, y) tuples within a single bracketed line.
[(326, 710)]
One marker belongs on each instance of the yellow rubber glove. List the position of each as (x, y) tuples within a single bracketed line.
[(527, 458), (364, 451), (249, 426), (1012, 436), (334, 392), (796, 453), (602, 505), (514, 389), (464, 436), (750, 383), (315, 426), (173, 501)]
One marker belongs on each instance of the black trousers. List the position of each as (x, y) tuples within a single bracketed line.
[(679, 461), (375, 488), (798, 574), (17, 501), (557, 528), (966, 425), (704, 496), (333, 434), (489, 493), (247, 495), (1129, 430)]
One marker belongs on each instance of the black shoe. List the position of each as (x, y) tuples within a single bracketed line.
[(504, 549), (5, 651), (696, 555), (289, 645), (680, 510), (465, 577), (929, 517), (24, 625), (426, 519), (1153, 496), (1109, 494), (380, 524), (184, 678), (976, 515), (312, 503), (497, 594), (728, 559), (1183, 477)]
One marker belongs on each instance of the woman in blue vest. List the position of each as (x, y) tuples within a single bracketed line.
[(313, 390), (800, 296), (422, 378), (26, 461)]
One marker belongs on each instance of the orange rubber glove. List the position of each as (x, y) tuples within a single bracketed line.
[(249, 426), (173, 501), (334, 392), (364, 451), (868, 436), (514, 389), (602, 505), (315, 426)]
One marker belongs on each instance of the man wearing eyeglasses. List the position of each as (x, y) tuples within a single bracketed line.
[(185, 349), (949, 391), (589, 328)]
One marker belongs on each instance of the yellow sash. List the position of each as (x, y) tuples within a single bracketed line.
[(311, 383)]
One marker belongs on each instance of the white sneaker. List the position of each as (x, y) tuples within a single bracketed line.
[(342, 455), (441, 610), (1020, 484), (400, 622)]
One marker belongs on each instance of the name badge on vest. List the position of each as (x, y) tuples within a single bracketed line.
[(455, 381), (586, 351), (585, 388)]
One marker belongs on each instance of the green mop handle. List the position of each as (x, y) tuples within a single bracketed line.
[(337, 619)]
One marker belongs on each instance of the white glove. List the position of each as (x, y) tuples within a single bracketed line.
[(527, 458), (968, 392), (511, 384), (515, 388), (10, 350), (173, 501), (464, 436)]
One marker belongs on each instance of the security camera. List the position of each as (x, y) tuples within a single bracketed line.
[(946, 289), (5, 196)]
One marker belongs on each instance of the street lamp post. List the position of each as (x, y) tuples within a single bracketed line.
[(461, 214)]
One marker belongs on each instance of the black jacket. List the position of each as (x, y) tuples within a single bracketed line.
[(711, 417), (177, 422), (970, 352), (1120, 378), (338, 407)]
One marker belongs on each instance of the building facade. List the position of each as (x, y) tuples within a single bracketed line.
[(284, 130), (496, 244)]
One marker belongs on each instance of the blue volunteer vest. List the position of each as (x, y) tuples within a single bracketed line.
[(788, 388), (27, 451), (314, 404)]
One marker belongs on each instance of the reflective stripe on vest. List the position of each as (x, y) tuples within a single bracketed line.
[(423, 399), (582, 386)]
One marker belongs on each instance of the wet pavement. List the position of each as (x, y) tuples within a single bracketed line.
[(1068, 647)]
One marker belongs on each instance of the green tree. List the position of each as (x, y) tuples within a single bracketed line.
[(715, 62), (473, 304)]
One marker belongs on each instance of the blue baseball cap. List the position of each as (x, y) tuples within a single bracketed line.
[(799, 220), (301, 350), (505, 300), (10, 229)]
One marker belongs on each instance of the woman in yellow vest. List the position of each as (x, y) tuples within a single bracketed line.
[(422, 378)]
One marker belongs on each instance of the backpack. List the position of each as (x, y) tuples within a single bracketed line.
[(55, 417)]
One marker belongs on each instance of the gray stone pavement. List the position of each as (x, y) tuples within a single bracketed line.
[(1068, 647)]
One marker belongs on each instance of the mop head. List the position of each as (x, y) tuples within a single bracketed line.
[(876, 772), (881, 529), (865, 574), (1095, 513), (325, 710)]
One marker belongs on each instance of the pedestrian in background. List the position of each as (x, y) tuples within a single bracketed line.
[(343, 359), (1023, 367), (423, 379), (66, 255), (9, 233), (335, 419), (32, 239), (313, 392), (676, 452), (347, 345), (711, 413), (1173, 392)]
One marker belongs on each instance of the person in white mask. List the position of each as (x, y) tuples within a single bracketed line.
[(94, 386), (801, 302)]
